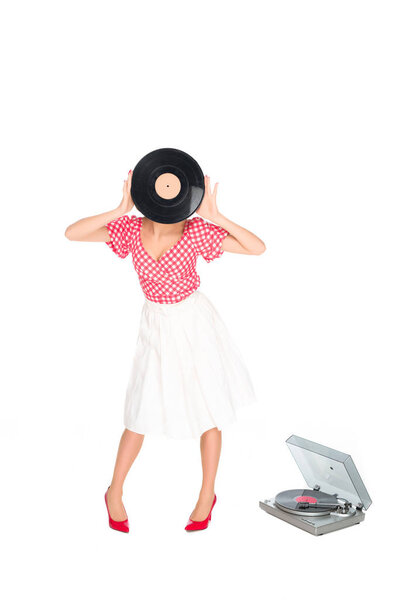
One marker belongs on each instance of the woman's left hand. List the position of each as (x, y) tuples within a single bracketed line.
[(208, 207)]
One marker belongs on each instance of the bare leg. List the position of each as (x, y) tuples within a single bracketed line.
[(129, 447), (210, 447)]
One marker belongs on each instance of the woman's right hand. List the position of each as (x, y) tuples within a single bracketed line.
[(93, 229), (126, 202)]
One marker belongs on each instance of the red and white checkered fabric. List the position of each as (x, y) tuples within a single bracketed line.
[(173, 277)]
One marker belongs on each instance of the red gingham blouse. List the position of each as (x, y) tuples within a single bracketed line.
[(173, 276)]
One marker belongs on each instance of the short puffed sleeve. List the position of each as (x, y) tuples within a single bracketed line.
[(207, 238), (122, 234)]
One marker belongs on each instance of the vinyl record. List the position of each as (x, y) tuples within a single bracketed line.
[(291, 501), (167, 185)]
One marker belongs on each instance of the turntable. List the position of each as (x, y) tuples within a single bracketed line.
[(337, 497)]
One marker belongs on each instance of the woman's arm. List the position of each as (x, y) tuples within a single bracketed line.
[(93, 229), (239, 240)]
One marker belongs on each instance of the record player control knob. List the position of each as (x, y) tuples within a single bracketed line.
[(343, 505)]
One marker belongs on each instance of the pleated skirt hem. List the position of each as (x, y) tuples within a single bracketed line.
[(194, 434)]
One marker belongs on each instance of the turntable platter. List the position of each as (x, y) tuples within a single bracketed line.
[(305, 502)]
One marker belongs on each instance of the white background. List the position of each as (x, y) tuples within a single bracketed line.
[(293, 107)]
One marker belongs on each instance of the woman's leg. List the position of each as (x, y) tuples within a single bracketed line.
[(210, 447), (129, 447)]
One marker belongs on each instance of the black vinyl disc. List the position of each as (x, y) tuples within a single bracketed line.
[(291, 501), (167, 185)]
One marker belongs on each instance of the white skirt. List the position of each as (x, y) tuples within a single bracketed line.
[(187, 375)]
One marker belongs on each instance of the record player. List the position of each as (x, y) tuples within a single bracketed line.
[(336, 498)]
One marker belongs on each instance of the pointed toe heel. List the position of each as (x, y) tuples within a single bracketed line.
[(117, 525), (198, 525)]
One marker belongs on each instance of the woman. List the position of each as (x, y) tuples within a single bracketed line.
[(187, 377)]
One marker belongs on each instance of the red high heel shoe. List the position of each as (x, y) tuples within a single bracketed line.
[(117, 525), (196, 525)]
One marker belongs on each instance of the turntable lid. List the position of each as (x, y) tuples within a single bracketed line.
[(333, 471)]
